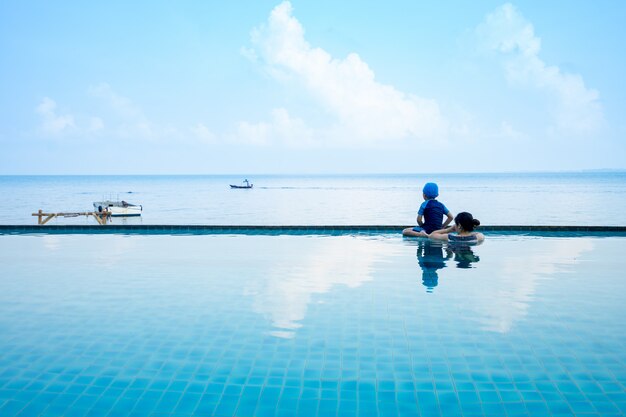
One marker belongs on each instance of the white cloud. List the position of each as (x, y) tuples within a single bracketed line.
[(95, 124), (123, 106), (281, 128), (118, 117), (508, 32), (284, 296), (126, 118), (365, 111), (509, 132), (51, 122), (203, 133), (513, 288)]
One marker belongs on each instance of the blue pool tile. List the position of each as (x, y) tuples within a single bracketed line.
[(146, 404), (489, 397), (85, 401), (188, 403), (559, 407), (429, 409), (265, 411), (582, 406), (468, 397), (227, 406), (7, 394), (406, 397), (233, 390), (424, 386), (27, 396), (367, 396), (471, 408), (552, 396), (408, 409), (450, 409), (510, 396), (387, 410), (465, 386), (105, 403), (246, 410), (494, 409), (328, 407), (97, 412), (205, 407), (55, 409), (30, 409), (308, 406), (605, 407), (386, 396), (215, 388)]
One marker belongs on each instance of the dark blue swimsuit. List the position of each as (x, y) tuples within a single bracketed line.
[(433, 212)]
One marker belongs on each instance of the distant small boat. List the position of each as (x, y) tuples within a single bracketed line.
[(248, 185), (118, 208)]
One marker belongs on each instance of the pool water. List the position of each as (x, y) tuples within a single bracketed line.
[(354, 325)]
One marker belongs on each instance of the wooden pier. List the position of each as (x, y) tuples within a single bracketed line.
[(101, 217)]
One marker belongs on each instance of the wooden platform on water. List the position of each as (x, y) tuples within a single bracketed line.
[(101, 217)]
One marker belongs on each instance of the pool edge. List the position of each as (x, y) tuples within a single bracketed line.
[(281, 229)]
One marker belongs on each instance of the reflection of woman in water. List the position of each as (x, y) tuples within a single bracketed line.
[(430, 256), (463, 255)]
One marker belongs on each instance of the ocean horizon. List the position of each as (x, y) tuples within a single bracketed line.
[(589, 198)]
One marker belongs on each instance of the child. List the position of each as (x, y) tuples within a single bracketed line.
[(430, 214), (462, 231)]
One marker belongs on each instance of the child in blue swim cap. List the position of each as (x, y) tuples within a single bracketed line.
[(430, 214)]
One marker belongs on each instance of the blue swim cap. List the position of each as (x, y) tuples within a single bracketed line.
[(431, 190)]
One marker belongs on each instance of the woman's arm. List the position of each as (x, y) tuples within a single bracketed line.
[(446, 230), (438, 235)]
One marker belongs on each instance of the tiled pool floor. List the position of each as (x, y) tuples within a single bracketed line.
[(110, 325)]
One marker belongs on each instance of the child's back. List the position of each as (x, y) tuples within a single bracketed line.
[(433, 212), (430, 214)]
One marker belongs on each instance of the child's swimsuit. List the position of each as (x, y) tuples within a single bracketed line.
[(433, 212)]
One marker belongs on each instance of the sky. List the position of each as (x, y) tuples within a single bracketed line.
[(270, 87)]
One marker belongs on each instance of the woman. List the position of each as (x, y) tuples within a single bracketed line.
[(462, 231)]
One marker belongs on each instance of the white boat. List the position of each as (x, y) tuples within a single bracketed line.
[(118, 208)]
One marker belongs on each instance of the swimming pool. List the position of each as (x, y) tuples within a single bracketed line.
[(311, 325)]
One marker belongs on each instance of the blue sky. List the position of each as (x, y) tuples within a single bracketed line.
[(311, 87)]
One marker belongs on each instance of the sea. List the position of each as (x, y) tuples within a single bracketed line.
[(590, 198)]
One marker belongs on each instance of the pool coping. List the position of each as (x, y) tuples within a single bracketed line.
[(281, 229)]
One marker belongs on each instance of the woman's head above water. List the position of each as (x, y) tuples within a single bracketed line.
[(466, 221)]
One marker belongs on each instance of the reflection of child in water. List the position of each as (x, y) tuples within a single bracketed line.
[(430, 256)]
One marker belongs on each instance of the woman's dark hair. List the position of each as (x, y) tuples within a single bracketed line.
[(467, 221)]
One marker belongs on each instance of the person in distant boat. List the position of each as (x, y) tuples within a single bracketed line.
[(430, 214), (461, 232)]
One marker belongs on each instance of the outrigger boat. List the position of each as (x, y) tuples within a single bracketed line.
[(118, 208), (248, 185)]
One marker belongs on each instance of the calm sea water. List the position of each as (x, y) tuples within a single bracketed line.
[(583, 198)]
